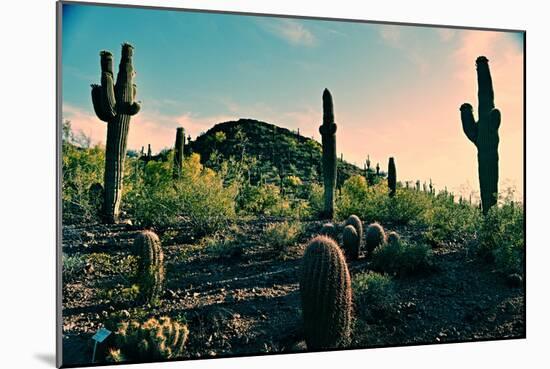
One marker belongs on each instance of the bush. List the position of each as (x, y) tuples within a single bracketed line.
[(501, 238), (402, 258), (81, 167), (374, 295), (283, 235), (221, 246), (448, 221), (199, 196), (73, 266)]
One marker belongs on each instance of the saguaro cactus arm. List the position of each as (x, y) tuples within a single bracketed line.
[(469, 125)]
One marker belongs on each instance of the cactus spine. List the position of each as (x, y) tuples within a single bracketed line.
[(115, 104), (325, 289), (484, 134), (150, 274), (392, 177), (328, 135), (178, 153)]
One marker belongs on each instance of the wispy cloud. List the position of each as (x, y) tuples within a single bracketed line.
[(292, 31)]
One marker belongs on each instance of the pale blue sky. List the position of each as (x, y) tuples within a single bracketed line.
[(396, 89)]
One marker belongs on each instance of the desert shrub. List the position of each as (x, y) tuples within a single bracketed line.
[(407, 206), (73, 266), (315, 199), (501, 237), (119, 294), (353, 198), (222, 246), (281, 236), (154, 339), (402, 258), (199, 197), (81, 167), (373, 295), (449, 221)]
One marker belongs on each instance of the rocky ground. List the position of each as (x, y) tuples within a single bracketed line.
[(247, 302)]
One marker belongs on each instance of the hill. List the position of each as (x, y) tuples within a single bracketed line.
[(279, 152)]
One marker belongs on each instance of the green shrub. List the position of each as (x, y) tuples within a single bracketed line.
[(501, 237), (281, 236), (73, 266), (449, 221), (374, 295), (221, 246), (402, 258), (199, 196)]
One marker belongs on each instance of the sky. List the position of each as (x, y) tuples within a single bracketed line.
[(396, 89)]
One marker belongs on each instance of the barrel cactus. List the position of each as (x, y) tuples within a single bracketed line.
[(325, 290), (329, 230), (150, 274), (328, 135), (393, 237), (355, 221), (484, 134), (351, 240), (178, 153), (154, 339), (392, 177), (374, 237), (115, 104)]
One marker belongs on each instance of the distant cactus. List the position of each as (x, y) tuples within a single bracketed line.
[(178, 153), (329, 230), (350, 240), (115, 104), (150, 274), (484, 134), (149, 341), (149, 152), (374, 237), (392, 177), (325, 289), (356, 223), (418, 185), (328, 135), (377, 169)]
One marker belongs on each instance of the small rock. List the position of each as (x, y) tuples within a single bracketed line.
[(89, 268)]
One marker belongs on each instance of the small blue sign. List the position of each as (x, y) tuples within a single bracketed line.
[(101, 335)]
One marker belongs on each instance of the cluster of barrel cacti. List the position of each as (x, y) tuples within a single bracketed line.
[(150, 273), (154, 339)]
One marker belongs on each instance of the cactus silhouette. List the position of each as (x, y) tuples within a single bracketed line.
[(115, 104), (178, 153), (325, 290), (484, 134), (374, 237), (328, 138), (150, 274), (392, 177), (350, 240)]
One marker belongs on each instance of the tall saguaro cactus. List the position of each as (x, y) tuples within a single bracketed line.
[(392, 177), (484, 134), (115, 104), (328, 135), (178, 153)]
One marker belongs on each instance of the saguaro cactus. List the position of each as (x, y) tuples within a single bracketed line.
[(325, 289), (178, 153), (392, 177), (150, 274), (328, 134), (484, 134), (115, 104)]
